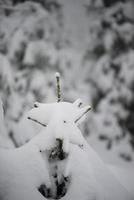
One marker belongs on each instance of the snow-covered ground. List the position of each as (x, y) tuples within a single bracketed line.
[(24, 169)]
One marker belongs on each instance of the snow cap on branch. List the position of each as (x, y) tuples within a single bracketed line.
[(78, 103), (60, 118), (43, 113)]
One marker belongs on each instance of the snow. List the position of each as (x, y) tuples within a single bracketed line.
[(30, 167), (57, 75), (112, 188), (35, 43), (90, 178), (23, 131), (96, 178), (22, 170), (60, 116), (26, 164), (83, 184), (124, 174)]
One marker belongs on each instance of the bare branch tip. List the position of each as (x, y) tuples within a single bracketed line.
[(58, 90)]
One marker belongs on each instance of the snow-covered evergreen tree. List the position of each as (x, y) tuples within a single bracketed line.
[(57, 163)]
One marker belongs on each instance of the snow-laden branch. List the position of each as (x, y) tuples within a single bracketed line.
[(83, 112)]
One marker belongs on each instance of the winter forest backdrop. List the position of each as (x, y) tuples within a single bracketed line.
[(91, 43)]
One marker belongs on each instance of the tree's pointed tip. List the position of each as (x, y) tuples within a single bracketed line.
[(57, 75)]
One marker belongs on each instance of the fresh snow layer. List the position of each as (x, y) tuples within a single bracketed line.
[(60, 116), (57, 74), (22, 171)]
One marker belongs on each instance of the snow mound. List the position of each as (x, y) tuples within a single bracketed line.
[(57, 163)]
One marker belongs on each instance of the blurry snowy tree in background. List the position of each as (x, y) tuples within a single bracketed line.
[(29, 35), (111, 50), (34, 44)]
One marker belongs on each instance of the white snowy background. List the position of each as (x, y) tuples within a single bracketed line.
[(91, 43)]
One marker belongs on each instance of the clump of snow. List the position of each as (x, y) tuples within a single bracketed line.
[(57, 74), (60, 116)]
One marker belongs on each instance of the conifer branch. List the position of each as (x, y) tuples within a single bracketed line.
[(87, 110), (37, 121), (58, 90)]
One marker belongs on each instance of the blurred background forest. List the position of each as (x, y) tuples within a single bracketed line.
[(91, 43)]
